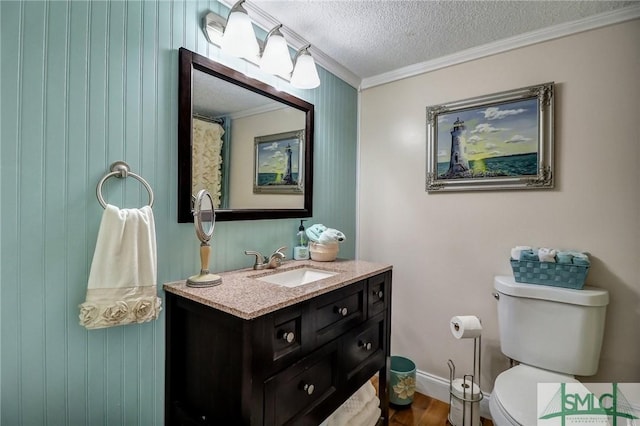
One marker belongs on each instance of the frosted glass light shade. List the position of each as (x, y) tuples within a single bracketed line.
[(239, 39), (305, 74), (275, 57)]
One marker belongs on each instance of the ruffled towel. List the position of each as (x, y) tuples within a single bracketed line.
[(122, 280)]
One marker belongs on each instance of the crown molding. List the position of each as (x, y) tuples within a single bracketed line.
[(265, 21), (557, 31)]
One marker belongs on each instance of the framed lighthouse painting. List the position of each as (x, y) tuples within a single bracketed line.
[(278, 163), (498, 141)]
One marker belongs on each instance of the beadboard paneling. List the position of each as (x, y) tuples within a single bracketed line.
[(85, 84)]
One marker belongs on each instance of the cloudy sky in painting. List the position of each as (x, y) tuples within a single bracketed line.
[(492, 131), (273, 159)]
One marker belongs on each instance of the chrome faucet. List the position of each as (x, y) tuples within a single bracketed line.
[(271, 262)]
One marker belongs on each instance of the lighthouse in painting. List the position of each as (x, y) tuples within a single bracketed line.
[(288, 178), (458, 163)]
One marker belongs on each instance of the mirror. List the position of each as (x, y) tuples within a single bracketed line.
[(249, 145), (204, 218)]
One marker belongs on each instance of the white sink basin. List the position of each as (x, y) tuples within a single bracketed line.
[(296, 277)]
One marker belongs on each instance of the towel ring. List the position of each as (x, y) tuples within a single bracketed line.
[(120, 169)]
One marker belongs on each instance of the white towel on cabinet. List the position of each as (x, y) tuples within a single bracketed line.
[(361, 409), (122, 280)]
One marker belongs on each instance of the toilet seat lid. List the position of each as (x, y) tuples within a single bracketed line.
[(517, 391)]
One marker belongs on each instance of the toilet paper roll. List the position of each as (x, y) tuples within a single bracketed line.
[(460, 412), (465, 327)]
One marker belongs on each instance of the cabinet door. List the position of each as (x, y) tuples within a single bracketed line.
[(296, 391)]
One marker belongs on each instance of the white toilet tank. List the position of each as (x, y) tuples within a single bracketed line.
[(553, 328)]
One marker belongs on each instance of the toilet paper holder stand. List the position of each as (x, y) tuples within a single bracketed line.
[(468, 382)]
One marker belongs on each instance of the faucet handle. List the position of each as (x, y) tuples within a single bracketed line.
[(280, 252), (260, 259)]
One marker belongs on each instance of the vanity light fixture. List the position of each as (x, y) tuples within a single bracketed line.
[(305, 73), (238, 38), (275, 56), (213, 27)]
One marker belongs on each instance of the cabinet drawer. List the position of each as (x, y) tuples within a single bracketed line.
[(364, 346), (286, 333), (338, 311), (297, 390), (377, 294)]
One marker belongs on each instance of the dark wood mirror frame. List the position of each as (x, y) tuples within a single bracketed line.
[(190, 61)]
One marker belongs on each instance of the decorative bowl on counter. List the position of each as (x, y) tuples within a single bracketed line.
[(324, 252)]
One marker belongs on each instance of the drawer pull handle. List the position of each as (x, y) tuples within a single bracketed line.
[(341, 311), (379, 293), (289, 336), (308, 389), (366, 346)]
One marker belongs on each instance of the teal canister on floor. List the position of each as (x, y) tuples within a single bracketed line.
[(402, 381)]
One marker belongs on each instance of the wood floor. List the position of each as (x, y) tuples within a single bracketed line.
[(423, 411)]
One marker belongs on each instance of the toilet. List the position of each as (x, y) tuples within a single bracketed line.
[(553, 333)]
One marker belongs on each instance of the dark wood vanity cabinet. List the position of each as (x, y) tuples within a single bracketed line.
[(292, 366)]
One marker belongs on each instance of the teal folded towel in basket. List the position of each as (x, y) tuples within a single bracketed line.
[(564, 257), (581, 259), (529, 255)]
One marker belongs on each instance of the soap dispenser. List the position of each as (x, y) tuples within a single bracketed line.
[(301, 247)]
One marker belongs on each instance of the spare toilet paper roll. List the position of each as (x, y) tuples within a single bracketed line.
[(465, 327), (466, 397)]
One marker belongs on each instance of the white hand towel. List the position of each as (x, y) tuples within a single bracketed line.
[(368, 416), (122, 280), (353, 407), (547, 255)]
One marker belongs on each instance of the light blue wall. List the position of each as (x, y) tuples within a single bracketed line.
[(84, 84)]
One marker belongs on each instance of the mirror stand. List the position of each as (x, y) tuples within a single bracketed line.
[(204, 218), (204, 278)]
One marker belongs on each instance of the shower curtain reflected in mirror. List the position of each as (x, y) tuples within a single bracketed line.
[(207, 160)]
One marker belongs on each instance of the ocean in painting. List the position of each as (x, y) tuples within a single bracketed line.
[(512, 165), (271, 178)]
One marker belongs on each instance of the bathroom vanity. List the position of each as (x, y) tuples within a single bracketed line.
[(252, 352)]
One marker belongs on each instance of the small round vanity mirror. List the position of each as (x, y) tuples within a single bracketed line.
[(204, 219), (204, 215)]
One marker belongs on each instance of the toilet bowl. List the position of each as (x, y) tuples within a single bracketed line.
[(515, 394)]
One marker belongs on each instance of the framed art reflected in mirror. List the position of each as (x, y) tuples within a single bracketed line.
[(278, 163)]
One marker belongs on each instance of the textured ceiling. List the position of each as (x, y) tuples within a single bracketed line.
[(373, 37)]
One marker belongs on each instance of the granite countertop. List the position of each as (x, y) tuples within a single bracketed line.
[(242, 295)]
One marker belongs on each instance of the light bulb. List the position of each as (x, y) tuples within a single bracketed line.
[(305, 74), (275, 57), (239, 39)]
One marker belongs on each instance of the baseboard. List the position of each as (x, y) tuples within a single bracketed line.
[(438, 388)]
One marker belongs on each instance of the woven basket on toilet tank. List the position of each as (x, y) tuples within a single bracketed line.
[(565, 275)]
